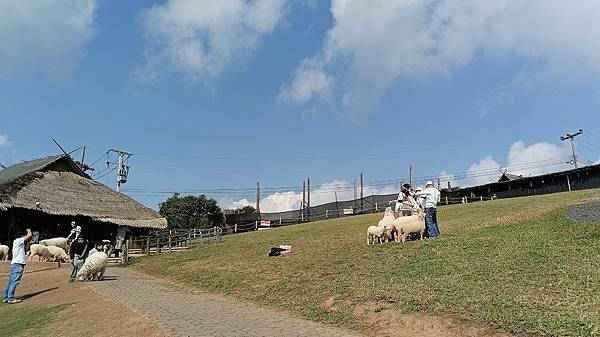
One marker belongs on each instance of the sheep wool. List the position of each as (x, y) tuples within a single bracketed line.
[(58, 253), (38, 250), (379, 233), (57, 242), (416, 226), (94, 267), (4, 252), (388, 218)]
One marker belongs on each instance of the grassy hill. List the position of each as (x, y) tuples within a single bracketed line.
[(519, 264)]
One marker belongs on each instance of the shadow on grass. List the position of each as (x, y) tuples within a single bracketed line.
[(28, 296)]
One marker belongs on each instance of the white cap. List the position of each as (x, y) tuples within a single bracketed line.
[(72, 222), (428, 183), (78, 229), (419, 188)]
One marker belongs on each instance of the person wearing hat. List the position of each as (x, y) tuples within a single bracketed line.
[(405, 200), (431, 197), (78, 252), (419, 200)]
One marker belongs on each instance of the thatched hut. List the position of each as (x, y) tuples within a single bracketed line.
[(46, 194)]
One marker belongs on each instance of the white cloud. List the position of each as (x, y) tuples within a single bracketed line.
[(44, 34), (486, 171), (536, 159), (446, 177), (372, 44), (597, 162), (5, 141), (200, 39), (290, 200), (309, 80)]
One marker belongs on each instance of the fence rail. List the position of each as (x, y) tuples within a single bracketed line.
[(171, 240)]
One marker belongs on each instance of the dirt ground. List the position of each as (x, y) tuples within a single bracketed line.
[(87, 313)]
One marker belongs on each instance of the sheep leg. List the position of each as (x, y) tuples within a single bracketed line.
[(403, 239), (102, 273)]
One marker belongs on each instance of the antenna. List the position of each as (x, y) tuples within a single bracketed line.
[(60, 147)]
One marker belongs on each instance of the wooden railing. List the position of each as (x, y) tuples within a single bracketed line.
[(169, 240)]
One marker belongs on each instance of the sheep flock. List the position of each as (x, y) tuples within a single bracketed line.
[(395, 228)]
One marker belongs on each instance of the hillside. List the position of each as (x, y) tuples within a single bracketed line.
[(518, 264)]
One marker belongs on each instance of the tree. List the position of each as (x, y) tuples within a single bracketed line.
[(245, 210), (191, 212)]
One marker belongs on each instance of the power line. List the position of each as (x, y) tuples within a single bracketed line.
[(373, 184)]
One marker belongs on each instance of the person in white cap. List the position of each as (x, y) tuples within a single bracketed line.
[(419, 200), (432, 197)]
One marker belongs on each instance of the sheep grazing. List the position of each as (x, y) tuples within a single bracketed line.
[(413, 227), (58, 254), (56, 242), (381, 233), (40, 251), (388, 218), (93, 267), (4, 252)]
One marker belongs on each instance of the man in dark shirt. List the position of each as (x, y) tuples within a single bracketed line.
[(77, 252)]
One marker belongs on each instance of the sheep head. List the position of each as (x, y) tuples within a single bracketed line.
[(388, 212)]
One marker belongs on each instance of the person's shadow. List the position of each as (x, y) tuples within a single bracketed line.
[(24, 297)]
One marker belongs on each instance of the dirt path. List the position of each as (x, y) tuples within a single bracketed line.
[(181, 312), (85, 312), (587, 212)]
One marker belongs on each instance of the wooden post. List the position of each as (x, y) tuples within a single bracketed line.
[(376, 209), (235, 228), (569, 183), (256, 225), (481, 198), (158, 245), (446, 200), (170, 241), (326, 213), (125, 252), (258, 198), (280, 221)]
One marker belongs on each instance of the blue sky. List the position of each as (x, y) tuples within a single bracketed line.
[(220, 95)]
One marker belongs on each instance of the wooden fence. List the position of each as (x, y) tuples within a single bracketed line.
[(169, 240)]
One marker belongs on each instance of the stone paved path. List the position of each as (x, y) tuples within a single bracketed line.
[(181, 312)]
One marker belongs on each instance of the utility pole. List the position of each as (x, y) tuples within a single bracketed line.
[(258, 198), (410, 175), (303, 208), (308, 198), (122, 169), (361, 192), (354, 199), (571, 137)]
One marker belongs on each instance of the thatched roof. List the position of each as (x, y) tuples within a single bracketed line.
[(62, 188)]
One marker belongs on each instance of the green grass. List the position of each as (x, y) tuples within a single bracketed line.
[(519, 264), (17, 320)]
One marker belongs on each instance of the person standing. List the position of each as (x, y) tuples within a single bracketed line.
[(432, 198), (17, 266), (77, 252)]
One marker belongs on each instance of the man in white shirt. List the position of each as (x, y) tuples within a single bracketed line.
[(17, 265), (432, 198)]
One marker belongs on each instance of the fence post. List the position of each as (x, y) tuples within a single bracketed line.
[(481, 198), (279, 221), (256, 225), (569, 183), (158, 245), (235, 228), (446, 200), (326, 213), (170, 241)]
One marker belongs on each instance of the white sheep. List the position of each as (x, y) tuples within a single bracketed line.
[(4, 252), (56, 242), (388, 218), (416, 226), (58, 254), (94, 267), (39, 250), (381, 233)]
